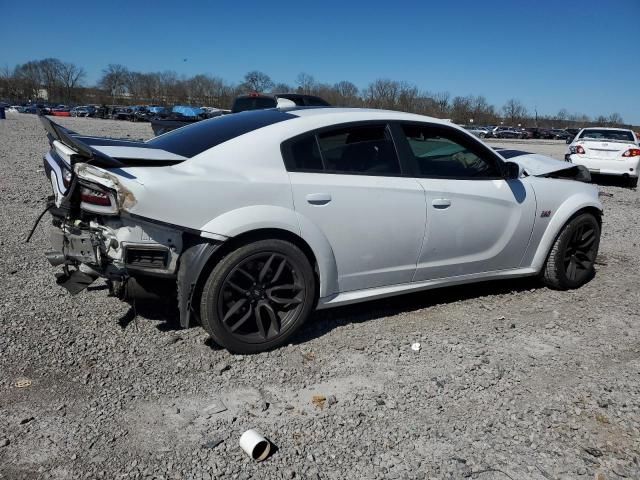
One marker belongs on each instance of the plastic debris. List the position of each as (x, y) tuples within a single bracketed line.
[(416, 347), (255, 445)]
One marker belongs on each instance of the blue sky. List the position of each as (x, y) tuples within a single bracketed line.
[(582, 55)]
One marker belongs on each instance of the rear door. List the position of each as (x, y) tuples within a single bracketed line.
[(348, 182), (476, 220)]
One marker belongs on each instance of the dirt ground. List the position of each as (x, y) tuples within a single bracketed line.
[(513, 380)]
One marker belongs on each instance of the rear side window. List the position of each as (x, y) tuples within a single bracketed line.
[(357, 150), (304, 155), (196, 138)]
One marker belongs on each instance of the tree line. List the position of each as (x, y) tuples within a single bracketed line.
[(65, 83)]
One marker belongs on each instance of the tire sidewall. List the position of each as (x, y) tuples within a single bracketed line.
[(211, 320), (564, 239)]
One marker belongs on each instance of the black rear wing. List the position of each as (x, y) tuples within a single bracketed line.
[(85, 154)]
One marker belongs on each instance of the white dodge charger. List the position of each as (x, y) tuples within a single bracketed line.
[(251, 221)]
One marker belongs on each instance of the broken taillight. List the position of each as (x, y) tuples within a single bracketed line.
[(632, 152), (93, 196)]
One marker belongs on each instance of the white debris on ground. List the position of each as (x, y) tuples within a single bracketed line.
[(512, 377)]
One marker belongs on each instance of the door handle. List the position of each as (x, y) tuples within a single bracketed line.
[(318, 198), (441, 203)]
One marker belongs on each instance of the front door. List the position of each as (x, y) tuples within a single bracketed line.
[(476, 220)]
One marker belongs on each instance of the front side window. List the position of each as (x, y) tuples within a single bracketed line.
[(365, 150), (445, 153)]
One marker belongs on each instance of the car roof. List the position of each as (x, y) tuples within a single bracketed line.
[(360, 114)]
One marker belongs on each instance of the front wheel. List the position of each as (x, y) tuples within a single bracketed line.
[(571, 261), (258, 296)]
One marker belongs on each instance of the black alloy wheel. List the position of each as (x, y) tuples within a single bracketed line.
[(571, 262), (579, 254), (258, 295)]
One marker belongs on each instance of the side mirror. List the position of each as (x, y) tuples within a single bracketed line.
[(512, 171)]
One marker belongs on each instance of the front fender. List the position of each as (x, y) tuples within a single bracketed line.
[(258, 217), (569, 207)]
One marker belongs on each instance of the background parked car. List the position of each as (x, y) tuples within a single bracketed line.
[(607, 151), (83, 111), (479, 132), (573, 132), (507, 132), (257, 101), (559, 134)]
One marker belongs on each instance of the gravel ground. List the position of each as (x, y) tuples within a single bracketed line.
[(513, 380)]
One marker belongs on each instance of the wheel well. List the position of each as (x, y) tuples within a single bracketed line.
[(596, 212), (243, 239)]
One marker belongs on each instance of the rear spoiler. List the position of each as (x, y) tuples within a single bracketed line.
[(85, 154)]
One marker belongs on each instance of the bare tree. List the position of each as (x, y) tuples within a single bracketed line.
[(615, 120), (346, 89), (461, 109), (50, 73), (30, 77), (71, 77), (514, 111), (407, 97), (305, 83), (114, 80), (382, 93), (281, 88), (256, 81), (441, 100)]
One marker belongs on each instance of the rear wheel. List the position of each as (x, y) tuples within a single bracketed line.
[(257, 296), (632, 182), (571, 261)]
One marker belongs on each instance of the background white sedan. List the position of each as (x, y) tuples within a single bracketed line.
[(607, 151)]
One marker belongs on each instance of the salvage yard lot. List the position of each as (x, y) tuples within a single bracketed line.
[(512, 378)]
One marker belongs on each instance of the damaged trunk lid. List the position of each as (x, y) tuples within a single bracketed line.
[(78, 166)]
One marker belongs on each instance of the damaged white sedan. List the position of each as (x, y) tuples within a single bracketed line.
[(253, 220)]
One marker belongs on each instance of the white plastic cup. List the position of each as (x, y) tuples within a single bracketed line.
[(255, 445)]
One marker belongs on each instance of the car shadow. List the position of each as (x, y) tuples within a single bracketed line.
[(164, 312), (610, 181), (323, 321)]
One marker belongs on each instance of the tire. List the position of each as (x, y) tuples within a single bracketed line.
[(240, 306), (632, 182), (570, 263)]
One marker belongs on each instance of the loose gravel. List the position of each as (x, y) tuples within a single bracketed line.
[(511, 380)]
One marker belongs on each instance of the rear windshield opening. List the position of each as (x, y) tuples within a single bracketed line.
[(196, 138)]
